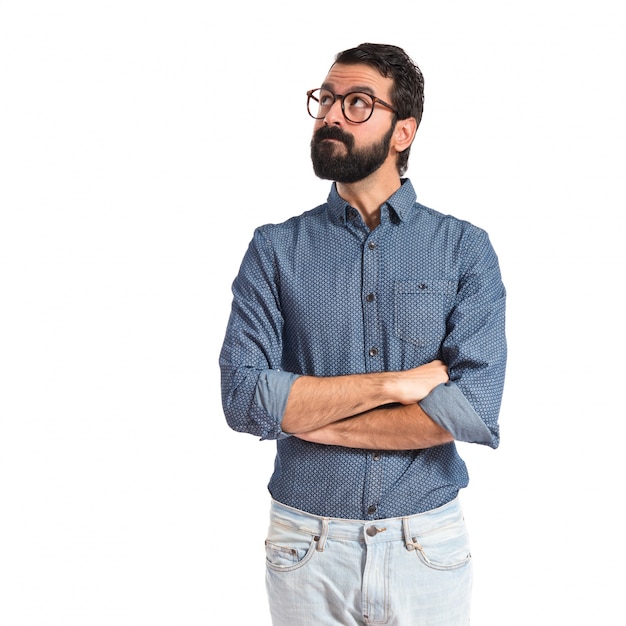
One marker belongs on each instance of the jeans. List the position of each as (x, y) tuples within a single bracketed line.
[(407, 571)]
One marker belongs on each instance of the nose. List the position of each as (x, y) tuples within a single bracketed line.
[(334, 115)]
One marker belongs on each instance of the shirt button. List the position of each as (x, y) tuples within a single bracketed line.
[(370, 297), (371, 245), (376, 456), (371, 509), (373, 352)]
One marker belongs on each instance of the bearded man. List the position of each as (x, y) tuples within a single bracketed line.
[(367, 336)]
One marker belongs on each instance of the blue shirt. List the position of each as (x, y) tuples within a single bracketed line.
[(322, 295)]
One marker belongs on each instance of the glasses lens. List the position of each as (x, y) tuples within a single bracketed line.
[(357, 107), (319, 103)]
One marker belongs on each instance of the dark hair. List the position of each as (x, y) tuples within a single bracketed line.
[(407, 93)]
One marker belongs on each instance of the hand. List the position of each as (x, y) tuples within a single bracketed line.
[(415, 384)]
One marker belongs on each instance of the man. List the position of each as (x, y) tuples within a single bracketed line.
[(366, 336)]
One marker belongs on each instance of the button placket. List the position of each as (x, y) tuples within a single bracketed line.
[(372, 348), (370, 273)]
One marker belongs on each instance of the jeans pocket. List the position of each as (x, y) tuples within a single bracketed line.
[(444, 548), (285, 556)]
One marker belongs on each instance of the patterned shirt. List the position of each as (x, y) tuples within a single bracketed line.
[(322, 295)]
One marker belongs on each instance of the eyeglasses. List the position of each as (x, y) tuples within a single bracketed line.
[(357, 107)]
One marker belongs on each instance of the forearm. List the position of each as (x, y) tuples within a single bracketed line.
[(315, 402), (396, 427)]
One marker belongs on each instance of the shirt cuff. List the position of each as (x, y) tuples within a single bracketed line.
[(271, 393), (447, 406)]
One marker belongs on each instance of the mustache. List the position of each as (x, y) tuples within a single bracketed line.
[(333, 132)]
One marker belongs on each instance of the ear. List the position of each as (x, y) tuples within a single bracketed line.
[(404, 133)]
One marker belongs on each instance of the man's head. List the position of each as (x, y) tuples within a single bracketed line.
[(392, 87)]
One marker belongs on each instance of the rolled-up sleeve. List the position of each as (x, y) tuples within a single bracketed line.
[(449, 408), (474, 349), (254, 389), (271, 393)]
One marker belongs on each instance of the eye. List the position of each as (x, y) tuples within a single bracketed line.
[(326, 99), (358, 101)]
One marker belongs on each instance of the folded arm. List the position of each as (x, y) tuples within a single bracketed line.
[(375, 411), (315, 402), (395, 427)]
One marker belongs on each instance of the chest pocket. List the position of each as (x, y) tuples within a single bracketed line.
[(421, 309)]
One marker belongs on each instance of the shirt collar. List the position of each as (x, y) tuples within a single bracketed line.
[(401, 202)]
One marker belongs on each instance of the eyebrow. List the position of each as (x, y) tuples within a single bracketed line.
[(359, 88)]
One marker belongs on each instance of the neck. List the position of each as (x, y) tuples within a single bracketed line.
[(368, 195)]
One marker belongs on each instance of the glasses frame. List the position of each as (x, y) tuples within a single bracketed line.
[(336, 96)]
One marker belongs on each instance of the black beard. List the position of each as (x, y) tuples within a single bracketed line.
[(352, 167)]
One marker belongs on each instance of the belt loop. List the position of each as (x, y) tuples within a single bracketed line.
[(411, 542), (406, 528), (321, 540)]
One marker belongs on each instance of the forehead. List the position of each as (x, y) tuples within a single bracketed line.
[(343, 78)]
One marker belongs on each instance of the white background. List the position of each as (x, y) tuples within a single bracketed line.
[(140, 144)]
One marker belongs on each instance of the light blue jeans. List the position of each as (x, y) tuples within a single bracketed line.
[(408, 571)]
